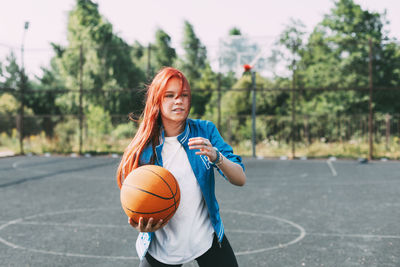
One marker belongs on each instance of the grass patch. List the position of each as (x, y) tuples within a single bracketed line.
[(107, 144), (351, 149)]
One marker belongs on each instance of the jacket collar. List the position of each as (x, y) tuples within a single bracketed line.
[(183, 137)]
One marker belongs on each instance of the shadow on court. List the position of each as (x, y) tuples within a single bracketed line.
[(62, 211)]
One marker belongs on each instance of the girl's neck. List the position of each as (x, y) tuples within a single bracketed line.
[(173, 128)]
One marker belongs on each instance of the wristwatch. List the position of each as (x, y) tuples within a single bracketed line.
[(218, 161)]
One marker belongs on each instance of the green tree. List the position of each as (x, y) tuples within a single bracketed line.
[(164, 54), (236, 107), (151, 58), (194, 65), (195, 56), (239, 102), (337, 55), (105, 62), (10, 103), (226, 82), (345, 32), (235, 31), (98, 122), (143, 57), (11, 72), (8, 109), (203, 90), (43, 95)]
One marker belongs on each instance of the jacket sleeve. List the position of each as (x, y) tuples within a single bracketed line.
[(226, 150)]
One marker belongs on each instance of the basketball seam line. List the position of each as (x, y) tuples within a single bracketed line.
[(168, 215), (170, 189), (150, 212), (171, 213), (166, 184), (132, 186)]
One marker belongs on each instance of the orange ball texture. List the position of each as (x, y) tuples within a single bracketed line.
[(150, 191)]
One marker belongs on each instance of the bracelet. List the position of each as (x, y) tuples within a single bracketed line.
[(218, 161), (218, 156)]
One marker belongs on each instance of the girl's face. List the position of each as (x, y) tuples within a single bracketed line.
[(175, 105)]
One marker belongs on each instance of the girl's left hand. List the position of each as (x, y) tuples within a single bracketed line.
[(205, 147)]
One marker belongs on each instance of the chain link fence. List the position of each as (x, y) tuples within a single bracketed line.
[(289, 122), (302, 134)]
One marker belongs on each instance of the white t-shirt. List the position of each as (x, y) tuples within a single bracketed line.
[(189, 233)]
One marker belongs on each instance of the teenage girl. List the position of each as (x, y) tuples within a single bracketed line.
[(190, 150)]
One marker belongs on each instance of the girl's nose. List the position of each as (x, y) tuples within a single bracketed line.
[(178, 99)]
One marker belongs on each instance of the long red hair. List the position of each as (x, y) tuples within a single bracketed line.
[(150, 122)]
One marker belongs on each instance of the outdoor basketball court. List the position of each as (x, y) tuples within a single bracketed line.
[(64, 211)]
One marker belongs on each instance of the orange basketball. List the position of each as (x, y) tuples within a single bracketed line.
[(150, 191)]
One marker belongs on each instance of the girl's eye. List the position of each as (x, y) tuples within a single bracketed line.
[(169, 95), (185, 95)]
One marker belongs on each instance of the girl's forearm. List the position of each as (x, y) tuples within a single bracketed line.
[(233, 171)]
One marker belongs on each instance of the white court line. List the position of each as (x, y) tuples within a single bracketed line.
[(314, 234), (227, 230), (15, 246), (357, 235), (66, 253), (300, 235), (329, 162), (73, 224), (8, 224)]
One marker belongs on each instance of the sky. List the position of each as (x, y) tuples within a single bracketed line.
[(261, 20)]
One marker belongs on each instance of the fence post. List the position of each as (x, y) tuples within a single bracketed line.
[(370, 117), (253, 112), (293, 124), (20, 117), (80, 99), (387, 119), (229, 131), (306, 130)]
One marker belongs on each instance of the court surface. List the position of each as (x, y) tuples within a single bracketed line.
[(64, 211)]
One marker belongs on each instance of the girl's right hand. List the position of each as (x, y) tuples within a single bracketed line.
[(149, 227)]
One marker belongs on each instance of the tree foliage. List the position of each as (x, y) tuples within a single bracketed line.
[(10, 72), (334, 55), (164, 54), (195, 57), (103, 58)]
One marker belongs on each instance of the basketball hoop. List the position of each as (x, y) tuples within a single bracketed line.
[(247, 67)]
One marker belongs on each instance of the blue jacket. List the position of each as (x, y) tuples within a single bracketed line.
[(202, 168)]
